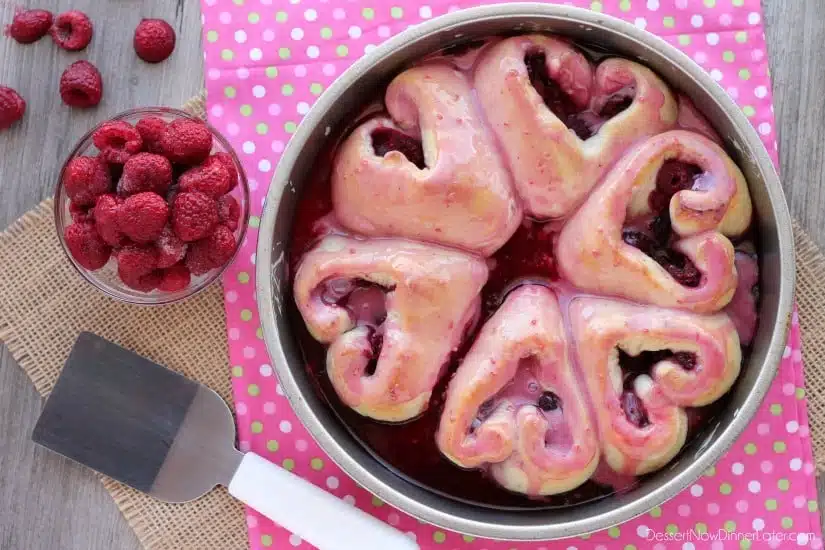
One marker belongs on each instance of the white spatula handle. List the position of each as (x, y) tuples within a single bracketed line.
[(316, 516)]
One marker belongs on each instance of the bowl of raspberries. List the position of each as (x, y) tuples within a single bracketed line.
[(152, 205)]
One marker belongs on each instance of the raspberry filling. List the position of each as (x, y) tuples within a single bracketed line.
[(584, 122), (655, 236), (385, 140)]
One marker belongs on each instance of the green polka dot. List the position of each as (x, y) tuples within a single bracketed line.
[(316, 464), (257, 427), (750, 449), (212, 36), (800, 393), (614, 532), (377, 502), (741, 37), (730, 526), (748, 110), (779, 447), (710, 3), (227, 55), (238, 2), (342, 50), (254, 221), (281, 17), (783, 484), (253, 390), (738, 3), (261, 128), (710, 472), (656, 512), (770, 505), (287, 89), (787, 522), (368, 13), (684, 39), (596, 6), (246, 315), (671, 528), (284, 53), (467, 538), (725, 489), (701, 528), (316, 88), (326, 33), (246, 110), (776, 409), (229, 92), (271, 72), (272, 445), (439, 537), (630, 546), (243, 277), (396, 12), (728, 56), (259, 333), (290, 127), (288, 464), (585, 537), (254, 17), (745, 544), (237, 371), (669, 22), (266, 540), (744, 74), (813, 506), (624, 5)]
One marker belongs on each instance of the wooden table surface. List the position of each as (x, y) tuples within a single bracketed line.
[(50, 503)]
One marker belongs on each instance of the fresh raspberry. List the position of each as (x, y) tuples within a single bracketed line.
[(86, 246), (194, 215), (12, 107), (186, 142), (211, 178), (229, 164), (117, 141), (229, 211), (85, 179), (151, 129), (105, 216), (197, 258), (72, 30), (154, 40), (81, 213), (30, 25), (221, 245), (170, 248), (81, 85), (146, 172), (143, 216), (175, 278), (134, 260), (141, 283)]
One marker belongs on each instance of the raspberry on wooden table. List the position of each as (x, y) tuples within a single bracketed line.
[(170, 248), (117, 141), (186, 142), (175, 278), (194, 215), (105, 217), (229, 211), (146, 172), (86, 246), (154, 40), (85, 179), (12, 107), (30, 25), (143, 216), (151, 129), (72, 30), (211, 178), (81, 85)]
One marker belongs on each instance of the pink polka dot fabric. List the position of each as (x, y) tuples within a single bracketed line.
[(268, 60)]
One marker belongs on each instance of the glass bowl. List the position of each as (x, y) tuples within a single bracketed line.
[(106, 278)]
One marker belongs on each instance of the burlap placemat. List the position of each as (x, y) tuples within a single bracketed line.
[(44, 305)]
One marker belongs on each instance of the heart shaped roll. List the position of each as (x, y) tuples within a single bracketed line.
[(515, 404), (642, 423), (391, 311), (691, 267), (451, 189), (561, 124)]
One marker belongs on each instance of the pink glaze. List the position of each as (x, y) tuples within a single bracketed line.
[(520, 354), (463, 196), (742, 308), (553, 169), (590, 251), (691, 119), (432, 297)]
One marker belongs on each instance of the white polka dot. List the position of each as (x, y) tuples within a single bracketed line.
[(310, 15), (425, 12), (225, 17), (754, 486), (269, 407), (328, 69), (640, 22), (349, 499), (653, 5), (313, 52), (716, 74), (572, 548), (242, 73), (258, 91), (268, 35), (762, 428), (297, 33), (233, 129), (277, 146), (285, 426), (338, 14), (802, 539), (302, 107), (797, 353), (642, 531), (697, 21), (792, 426), (264, 165), (697, 490), (688, 546), (231, 296), (265, 370), (725, 19), (757, 55), (368, 48), (738, 468), (765, 128), (700, 57), (713, 508), (295, 540), (393, 519), (681, 4), (248, 147), (240, 36), (300, 71), (251, 521), (301, 445), (453, 9), (712, 38), (216, 111), (213, 74), (249, 352), (243, 445), (332, 482), (760, 92), (733, 92), (234, 333), (754, 18), (683, 510), (241, 408), (384, 31), (255, 54), (354, 32), (758, 524)]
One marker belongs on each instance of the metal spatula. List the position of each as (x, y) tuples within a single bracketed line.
[(163, 434)]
